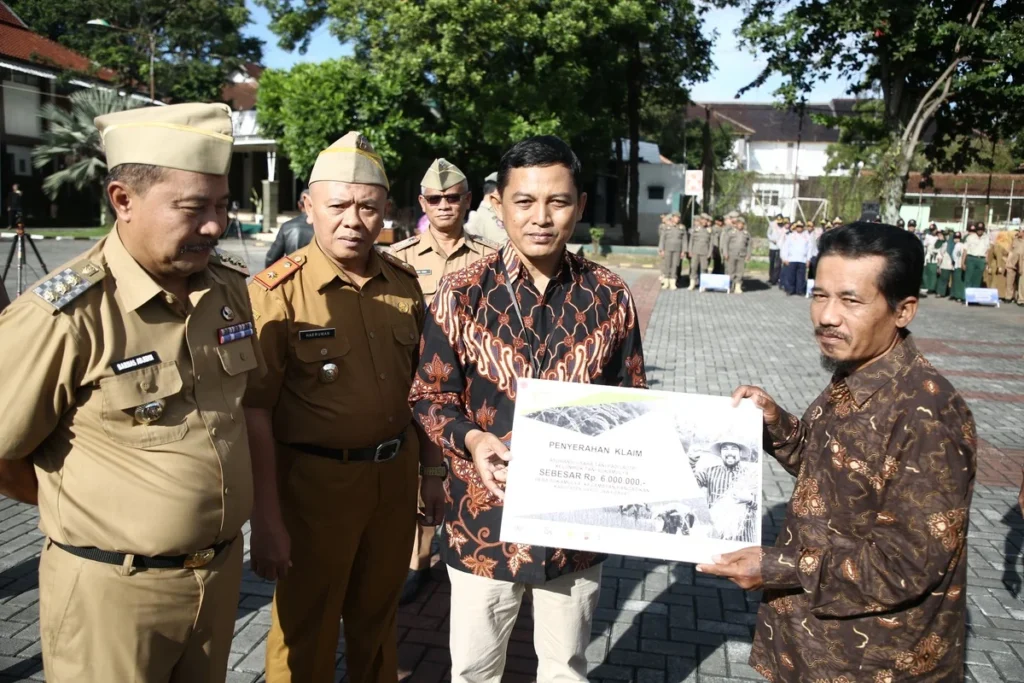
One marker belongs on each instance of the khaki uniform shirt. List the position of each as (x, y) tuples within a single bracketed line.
[(310, 314), (700, 242), (672, 238), (735, 243), (485, 223), (423, 253), (74, 376)]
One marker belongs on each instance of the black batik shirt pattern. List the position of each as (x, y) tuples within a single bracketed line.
[(583, 328)]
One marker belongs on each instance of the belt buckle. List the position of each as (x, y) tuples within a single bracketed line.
[(200, 558), (393, 444)]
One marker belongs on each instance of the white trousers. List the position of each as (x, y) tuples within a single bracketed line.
[(485, 610)]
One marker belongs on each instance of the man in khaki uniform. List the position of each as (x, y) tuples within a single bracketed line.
[(484, 221), (699, 248), (129, 409), (335, 454), (736, 251), (1015, 268), (443, 248), (671, 247)]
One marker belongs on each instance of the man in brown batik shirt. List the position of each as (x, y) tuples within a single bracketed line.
[(867, 579)]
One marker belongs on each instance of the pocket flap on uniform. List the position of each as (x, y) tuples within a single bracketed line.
[(405, 334), (317, 350), (134, 388), (237, 356)]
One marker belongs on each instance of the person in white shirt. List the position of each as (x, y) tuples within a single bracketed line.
[(946, 264), (959, 261), (976, 246), (796, 250)]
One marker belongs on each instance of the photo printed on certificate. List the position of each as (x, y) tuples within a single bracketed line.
[(633, 472)]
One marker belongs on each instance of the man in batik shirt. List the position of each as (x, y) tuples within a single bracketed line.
[(867, 580), (531, 310)]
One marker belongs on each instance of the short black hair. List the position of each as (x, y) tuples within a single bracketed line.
[(139, 177), (540, 150), (903, 253), (719, 219), (489, 187)]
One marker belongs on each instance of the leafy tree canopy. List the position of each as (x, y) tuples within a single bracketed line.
[(199, 43)]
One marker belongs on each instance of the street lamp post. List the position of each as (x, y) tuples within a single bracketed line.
[(152, 50)]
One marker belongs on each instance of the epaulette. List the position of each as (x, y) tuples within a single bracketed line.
[(406, 243), (487, 242), (63, 287), (280, 271), (397, 262), (231, 263)]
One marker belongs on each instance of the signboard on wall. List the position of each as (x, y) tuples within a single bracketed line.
[(694, 183)]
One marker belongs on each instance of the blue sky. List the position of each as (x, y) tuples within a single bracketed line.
[(734, 68)]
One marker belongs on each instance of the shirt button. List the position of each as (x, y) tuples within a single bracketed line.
[(226, 490), (213, 432), (242, 356), (412, 336), (323, 352), (197, 379), (382, 375), (372, 335), (144, 386)]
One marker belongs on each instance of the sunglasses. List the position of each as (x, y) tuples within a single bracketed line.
[(435, 199)]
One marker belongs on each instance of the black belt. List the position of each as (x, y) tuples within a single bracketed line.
[(380, 453), (189, 561)]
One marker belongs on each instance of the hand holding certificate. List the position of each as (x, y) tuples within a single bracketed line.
[(633, 472)]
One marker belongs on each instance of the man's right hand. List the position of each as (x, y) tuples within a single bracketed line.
[(271, 547), (490, 456), (761, 399)]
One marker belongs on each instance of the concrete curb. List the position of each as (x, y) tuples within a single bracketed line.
[(57, 238)]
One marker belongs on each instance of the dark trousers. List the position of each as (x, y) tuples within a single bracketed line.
[(794, 278), (774, 266), (718, 265)]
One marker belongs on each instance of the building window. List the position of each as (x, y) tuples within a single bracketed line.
[(25, 79), (768, 197), (655, 192), (20, 159)]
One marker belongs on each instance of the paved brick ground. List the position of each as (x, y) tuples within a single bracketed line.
[(658, 622)]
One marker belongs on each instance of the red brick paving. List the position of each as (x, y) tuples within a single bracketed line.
[(1010, 376), (944, 348), (993, 396), (645, 293), (999, 467)]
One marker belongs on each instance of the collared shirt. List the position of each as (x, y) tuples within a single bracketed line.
[(736, 243), (867, 579), (583, 328), (108, 479), (312, 317), (732, 498), (797, 248), (423, 253), (776, 233), (485, 223), (975, 245)]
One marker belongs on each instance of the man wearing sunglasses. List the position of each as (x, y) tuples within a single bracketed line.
[(444, 247)]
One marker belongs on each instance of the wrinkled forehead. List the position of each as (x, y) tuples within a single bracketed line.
[(329, 190)]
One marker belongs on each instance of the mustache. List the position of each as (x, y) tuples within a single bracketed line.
[(198, 247), (831, 333)]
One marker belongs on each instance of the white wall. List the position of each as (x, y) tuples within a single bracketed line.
[(21, 110), (781, 158)]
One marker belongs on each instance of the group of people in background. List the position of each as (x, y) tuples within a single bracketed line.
[(954, 263), (719, 245)]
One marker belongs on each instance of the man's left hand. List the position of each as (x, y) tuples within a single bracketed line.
[(742, 567), (432, 495)]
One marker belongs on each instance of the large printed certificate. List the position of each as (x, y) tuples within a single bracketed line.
[(633, 472)]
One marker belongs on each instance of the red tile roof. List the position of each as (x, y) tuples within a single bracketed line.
[(19, 43)]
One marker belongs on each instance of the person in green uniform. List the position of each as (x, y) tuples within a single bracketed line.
[(943, 273), (960, 264)]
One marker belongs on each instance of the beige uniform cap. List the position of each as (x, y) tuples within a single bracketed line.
[(351, 159), (187, 137), (493, 178), (441, 175), (733, 214)]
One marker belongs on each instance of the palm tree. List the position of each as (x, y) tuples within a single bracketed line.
[(72, 141)]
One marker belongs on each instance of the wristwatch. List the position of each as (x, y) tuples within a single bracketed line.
[(436, 471)]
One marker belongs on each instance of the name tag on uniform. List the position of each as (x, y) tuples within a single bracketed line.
[(428, 271), (321, 333), (235, 332), (135, 362)]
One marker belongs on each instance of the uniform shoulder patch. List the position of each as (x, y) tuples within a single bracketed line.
[(64, 286), (279, 271), (487, 242), (397, 262), (230, 262), (406, 243)]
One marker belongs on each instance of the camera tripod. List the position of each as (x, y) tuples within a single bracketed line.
[(18, 249), (235, 228)]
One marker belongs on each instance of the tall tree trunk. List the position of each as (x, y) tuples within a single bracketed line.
[(620, 187), (894, 181), (631, 234)]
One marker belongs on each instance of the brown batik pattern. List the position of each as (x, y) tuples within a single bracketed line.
[(865, 582), (474, 347)]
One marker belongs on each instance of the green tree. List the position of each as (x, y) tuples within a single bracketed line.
[(72, 144), (492, 73), (956, 65), (198, 43), (312, 105), (682, 140)]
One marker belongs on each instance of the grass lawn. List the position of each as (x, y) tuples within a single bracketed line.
[(69, 232)]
